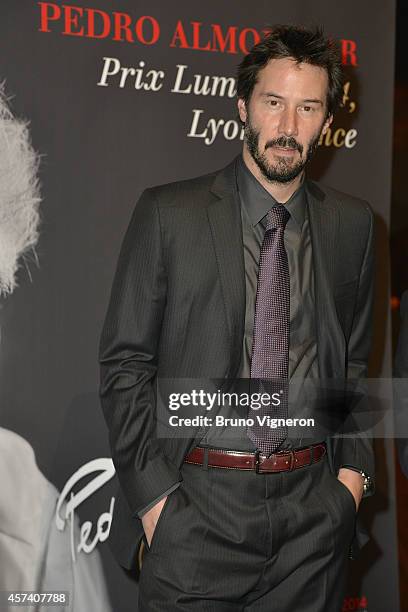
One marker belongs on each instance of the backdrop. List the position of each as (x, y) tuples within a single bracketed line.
[(125, 95)]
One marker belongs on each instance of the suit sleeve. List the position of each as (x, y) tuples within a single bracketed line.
[(358, 451), (129, 357)]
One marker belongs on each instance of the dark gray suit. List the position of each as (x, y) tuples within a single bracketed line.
[(177, 310)]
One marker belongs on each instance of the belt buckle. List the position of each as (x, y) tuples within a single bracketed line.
[(257, 461)]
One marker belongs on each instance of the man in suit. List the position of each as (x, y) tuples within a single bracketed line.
[(256, 273), (401, 396)]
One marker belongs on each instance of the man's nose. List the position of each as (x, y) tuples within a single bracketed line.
[(288, 124)]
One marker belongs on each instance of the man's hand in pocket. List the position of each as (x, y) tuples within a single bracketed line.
[(354, 482), (149, 520)]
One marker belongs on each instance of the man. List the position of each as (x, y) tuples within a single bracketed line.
[(251, 272), (401, 396)]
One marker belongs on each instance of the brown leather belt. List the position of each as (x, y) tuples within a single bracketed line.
[(282, 461)]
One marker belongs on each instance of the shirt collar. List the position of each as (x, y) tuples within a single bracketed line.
[(257, 201)]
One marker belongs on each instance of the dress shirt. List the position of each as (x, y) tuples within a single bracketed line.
[(255, 203)]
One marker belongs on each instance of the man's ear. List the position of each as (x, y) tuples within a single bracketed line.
[(327, 124), (242, 110)]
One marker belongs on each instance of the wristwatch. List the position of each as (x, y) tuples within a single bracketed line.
[(366, 483)]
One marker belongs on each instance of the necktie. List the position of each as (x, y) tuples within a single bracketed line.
[(270, 348)]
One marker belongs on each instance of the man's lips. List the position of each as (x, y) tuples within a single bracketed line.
[(284, 150)]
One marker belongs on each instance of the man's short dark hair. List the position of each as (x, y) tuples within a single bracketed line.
[(301, 45)]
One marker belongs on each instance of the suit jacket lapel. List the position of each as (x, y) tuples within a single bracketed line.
[(324, 219), (224, 216)]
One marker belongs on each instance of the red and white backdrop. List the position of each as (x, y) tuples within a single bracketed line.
[(124, 95)]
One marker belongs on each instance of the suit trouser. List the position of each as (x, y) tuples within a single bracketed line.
[(232, 540)]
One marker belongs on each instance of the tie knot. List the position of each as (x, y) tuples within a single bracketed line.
[(277, 217)]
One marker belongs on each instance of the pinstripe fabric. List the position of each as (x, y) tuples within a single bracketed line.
[(236, 541), (177, 309)]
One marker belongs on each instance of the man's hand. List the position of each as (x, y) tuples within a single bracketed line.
[(149, 520), (354, 482)]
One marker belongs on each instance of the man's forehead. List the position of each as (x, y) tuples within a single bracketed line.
[(288, 73)]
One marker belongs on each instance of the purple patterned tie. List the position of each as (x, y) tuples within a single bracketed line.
[(270, 348)]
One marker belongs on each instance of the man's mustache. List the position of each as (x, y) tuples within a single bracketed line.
[(285, 143)]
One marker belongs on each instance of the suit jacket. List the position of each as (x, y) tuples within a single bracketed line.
[(177, 309), (401, 386)]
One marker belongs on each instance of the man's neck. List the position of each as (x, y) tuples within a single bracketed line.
[(281, 192)]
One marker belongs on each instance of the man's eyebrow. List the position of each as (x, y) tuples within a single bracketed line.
[(271, 94), (313, 101)]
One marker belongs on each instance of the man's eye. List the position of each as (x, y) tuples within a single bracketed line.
[(273, 102), (308, 109)]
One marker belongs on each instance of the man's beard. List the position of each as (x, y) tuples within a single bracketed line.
[(282, 171)]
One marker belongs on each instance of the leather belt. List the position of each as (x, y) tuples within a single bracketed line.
[(282, 461)]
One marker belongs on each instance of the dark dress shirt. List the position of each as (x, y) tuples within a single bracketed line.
[(255, 204)]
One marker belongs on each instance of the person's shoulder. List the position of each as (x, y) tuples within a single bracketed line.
[(348, 206), (188, 192)]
